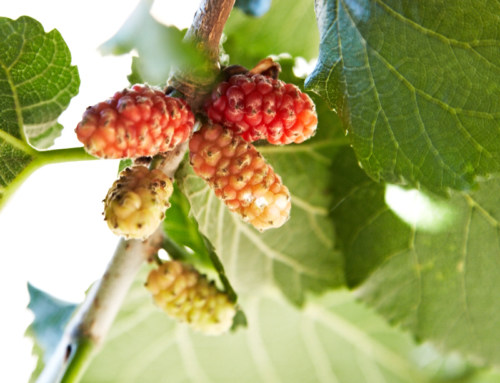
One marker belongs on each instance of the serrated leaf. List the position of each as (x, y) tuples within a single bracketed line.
[(160, 47), (249, 40), (51, 316), (255, 8), (426, 263), (418, 85), (333, 339), (37, 82)]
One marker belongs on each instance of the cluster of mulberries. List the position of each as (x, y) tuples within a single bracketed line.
[(143, 121)]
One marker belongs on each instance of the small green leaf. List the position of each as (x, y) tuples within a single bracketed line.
[(249, 40), (182, 232), (183, 229), (160, 47), (426, 263), (51, 316), (417, 84)]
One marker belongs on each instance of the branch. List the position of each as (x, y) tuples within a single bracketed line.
[(90, 325), (205, 32)]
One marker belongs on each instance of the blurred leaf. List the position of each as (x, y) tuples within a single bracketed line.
[(253, 7), (51, 316), (417, 84), (160, 47), (333, 339), (37, 83), (426, 263), (135, 76), (249, 40)]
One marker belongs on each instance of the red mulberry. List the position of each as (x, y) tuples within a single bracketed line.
[(261, 107), (140, 121), (240, 176)]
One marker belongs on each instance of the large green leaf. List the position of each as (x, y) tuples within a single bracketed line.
[(417, 84), (428, 264), (37, 82), (250, 40), (333, 339)]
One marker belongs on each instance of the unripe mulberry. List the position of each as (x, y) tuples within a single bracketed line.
[(188, 296), (135, 122), (135, 205), (261, 107), (240, 176)]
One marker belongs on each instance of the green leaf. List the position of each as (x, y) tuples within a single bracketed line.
[(333, 339), (428, 264), (417, 84), (37, 80), (37, 83), (249, 40), (160, 47), (182, 232), (135, 76), (51, 316)]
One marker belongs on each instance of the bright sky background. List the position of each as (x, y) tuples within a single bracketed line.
[(52, 232)]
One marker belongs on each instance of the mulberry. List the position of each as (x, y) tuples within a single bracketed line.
[(135, 122), (240, 176), (257, 107), (188, 296), (135, 205)]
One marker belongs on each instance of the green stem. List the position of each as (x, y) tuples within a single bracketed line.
[(41, 158), (78, 361), (63, 155)]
